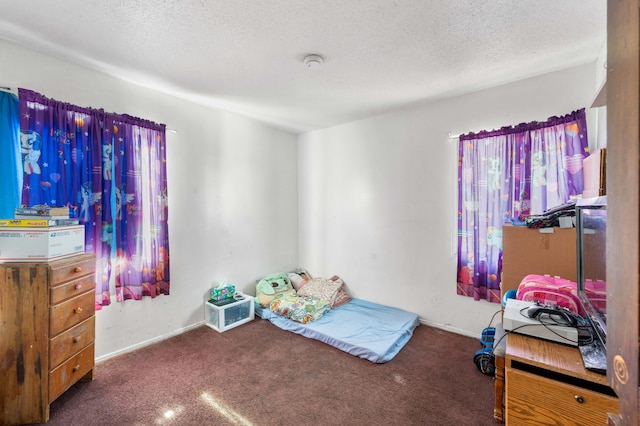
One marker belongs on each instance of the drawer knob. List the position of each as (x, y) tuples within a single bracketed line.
[(76, 368), (77, 269), (77, 310), (78, 286), (77, 339), (580, 399)]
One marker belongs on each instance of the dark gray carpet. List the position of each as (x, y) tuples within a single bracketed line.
[(257, 374)]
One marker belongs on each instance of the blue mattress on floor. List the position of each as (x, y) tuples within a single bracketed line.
[(365, 329)]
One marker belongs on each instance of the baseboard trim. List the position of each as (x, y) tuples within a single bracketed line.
[(140, 345), (447, 327), (147, 342)]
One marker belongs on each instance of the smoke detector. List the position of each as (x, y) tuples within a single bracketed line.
[(313, 61)]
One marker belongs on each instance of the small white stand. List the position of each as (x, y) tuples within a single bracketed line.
[(226, 317)]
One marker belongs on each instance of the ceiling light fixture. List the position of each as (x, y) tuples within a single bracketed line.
[(313, 61)]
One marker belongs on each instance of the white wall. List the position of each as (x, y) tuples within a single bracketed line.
[(232, 194), (601, 79), (377, 196)]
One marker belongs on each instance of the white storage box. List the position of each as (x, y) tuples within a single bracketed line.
[(225, 317), (38, 244)]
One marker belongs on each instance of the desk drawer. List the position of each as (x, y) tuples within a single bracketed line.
[(535, 400), (71, 341), (67, 314), (61, 378)]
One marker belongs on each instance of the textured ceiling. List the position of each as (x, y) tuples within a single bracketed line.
[(246, 56)]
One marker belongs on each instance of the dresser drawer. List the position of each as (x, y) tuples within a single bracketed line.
[(71, 341), (535, 400), (72, 288), (69, 269), (61, 378), (67, 314)]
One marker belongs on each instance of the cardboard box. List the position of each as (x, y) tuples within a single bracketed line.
[(40, 244), (528, 251)]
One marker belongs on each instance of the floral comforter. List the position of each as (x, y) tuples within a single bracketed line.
[(302, 309)]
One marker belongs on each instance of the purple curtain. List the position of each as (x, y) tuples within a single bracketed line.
[(105, 167), (505, 175), (142, 238)]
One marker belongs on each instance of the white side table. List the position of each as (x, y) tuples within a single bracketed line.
[(225, 317)]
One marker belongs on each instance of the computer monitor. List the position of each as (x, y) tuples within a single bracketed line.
[(591, 251)]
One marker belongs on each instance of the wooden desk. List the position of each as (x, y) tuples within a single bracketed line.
[(546, 383)]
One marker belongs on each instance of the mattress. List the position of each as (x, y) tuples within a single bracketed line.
[(361, 328)]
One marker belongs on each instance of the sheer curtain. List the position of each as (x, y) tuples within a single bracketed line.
[(505, 175), (140, 218), (110, 170)]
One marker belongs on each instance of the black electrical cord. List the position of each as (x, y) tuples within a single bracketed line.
[(486, 356)]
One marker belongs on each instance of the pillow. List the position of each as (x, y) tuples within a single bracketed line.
[(272, 285), (296, 280), (342, 297), (300, 309), (322, 288)]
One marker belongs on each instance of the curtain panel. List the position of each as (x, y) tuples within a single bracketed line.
[(110, 170), (505, 175), (11, 170)]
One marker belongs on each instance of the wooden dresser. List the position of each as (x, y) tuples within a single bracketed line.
[(47, 331), (546, 383)]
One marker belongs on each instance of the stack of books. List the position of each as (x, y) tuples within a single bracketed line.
[(40, 233), (39, 217)]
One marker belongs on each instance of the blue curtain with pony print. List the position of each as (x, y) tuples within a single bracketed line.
[(91, 162), (11, 170), (505, 175)]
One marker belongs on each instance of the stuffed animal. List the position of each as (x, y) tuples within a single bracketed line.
[(272, 285)]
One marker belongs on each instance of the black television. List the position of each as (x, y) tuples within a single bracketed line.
[(591, 250)]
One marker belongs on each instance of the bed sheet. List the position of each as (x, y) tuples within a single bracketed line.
[(365, 329)]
